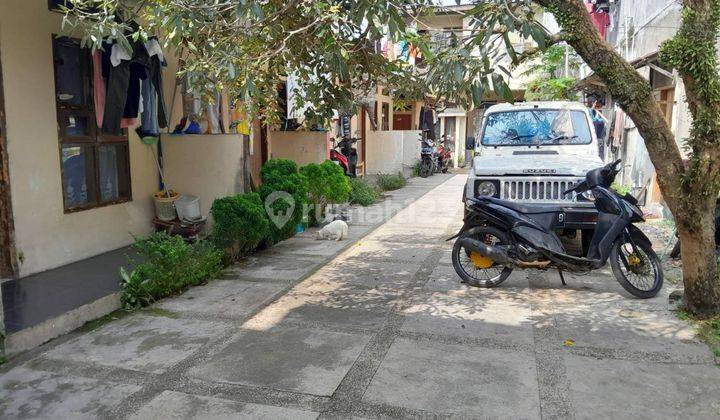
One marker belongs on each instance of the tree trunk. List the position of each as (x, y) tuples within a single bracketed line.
[(700, 264), (690, 206)]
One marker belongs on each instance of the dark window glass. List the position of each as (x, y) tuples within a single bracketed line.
[(69, 71), (78, 170), (74, 125)]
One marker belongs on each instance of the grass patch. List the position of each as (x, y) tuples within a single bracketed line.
[(361, 192), (709, 333), (708, 330), (105, 319), (390, 182), (160, 313)]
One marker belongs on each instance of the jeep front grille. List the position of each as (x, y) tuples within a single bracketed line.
[(537, 189)]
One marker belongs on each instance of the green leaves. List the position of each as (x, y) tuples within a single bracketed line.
[(501, 88)]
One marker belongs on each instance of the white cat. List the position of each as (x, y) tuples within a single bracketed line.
[(336, 230)]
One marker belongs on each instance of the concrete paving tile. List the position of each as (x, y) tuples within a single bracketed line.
[(642, 390), (307, 246), (232, 298), (414, 236), (143, 343), (170, 405), (444, 279), (369, 250), (457, 380), (602, 287), (329, 303), (271, 266), (368, 273), (493, 316), (285, 358), (609, 326), (32, 394)]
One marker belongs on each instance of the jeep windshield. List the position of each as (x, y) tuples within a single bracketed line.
[(536, 127)]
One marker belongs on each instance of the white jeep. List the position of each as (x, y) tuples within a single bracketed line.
[(531, 152)]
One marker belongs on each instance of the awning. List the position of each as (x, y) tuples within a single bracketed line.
[(593, 81)]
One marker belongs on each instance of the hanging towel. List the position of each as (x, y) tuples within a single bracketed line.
[(619, 128), (98, 88), (213, 115)]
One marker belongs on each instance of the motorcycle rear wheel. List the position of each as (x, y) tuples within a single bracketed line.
[(467, 269), (637, 269), (425, 168)]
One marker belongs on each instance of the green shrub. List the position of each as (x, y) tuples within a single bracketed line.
[(389, 182), (361, 192), (621, 188), (135, 290), (327, 184), (282, 175), (416, 169), (167, 265), (241, 223)]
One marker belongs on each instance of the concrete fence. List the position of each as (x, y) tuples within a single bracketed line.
[(206, 166), (392, 151)]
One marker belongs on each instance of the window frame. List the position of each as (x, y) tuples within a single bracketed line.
[(94, 140)]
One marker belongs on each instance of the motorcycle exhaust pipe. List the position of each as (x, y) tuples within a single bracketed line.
[(498, 255)]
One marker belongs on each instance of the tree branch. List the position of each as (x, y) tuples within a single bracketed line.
[(631, 91)]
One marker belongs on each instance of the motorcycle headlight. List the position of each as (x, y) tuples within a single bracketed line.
[(588, 195), (487, 189)]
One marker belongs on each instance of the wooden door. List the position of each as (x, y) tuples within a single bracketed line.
[(402, 122)]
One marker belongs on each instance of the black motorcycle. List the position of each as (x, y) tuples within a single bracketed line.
[(499, 236), (428, 155)]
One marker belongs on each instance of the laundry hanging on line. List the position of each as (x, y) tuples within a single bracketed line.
[(128, 88)]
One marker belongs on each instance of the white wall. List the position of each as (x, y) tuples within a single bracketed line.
[(301, 146), (392, 151), (206, 166), (45, 236)]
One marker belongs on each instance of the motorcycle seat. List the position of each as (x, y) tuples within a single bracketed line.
[(524, 208)]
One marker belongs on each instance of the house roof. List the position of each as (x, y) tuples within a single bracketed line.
[(594, 81)]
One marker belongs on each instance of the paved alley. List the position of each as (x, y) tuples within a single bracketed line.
[(376, 326)]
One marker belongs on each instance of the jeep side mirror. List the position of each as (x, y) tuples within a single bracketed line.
[(470, 143)]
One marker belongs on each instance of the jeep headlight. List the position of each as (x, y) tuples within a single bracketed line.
[(486, 189), (588, 195)]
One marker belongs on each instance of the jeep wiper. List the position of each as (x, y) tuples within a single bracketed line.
[(562, 137), (519, 137)]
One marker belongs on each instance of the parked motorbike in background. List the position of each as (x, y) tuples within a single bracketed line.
[(500, 235), (428, 155), (444, 155), (345, 155), (675, 253)]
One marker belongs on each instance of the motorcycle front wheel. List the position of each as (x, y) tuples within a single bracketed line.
[(425, 168), (637, 268), (477, 270)]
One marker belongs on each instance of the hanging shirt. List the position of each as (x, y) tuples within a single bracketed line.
[(118, 54), (599, 17)]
